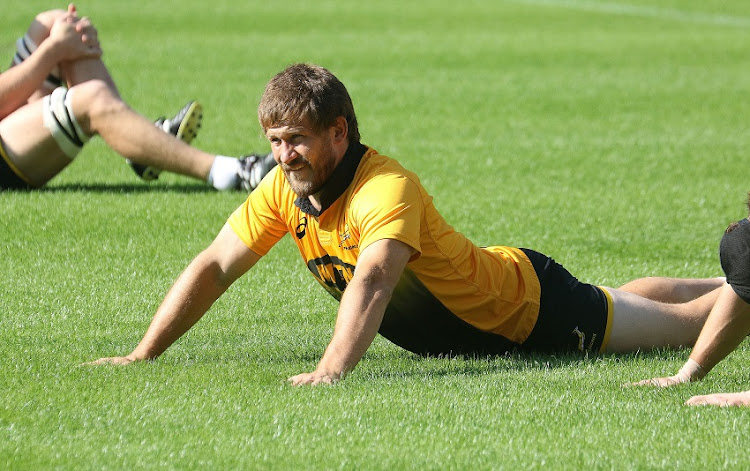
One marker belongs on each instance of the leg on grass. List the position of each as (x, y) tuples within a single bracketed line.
[(128, 133), (643, 324), (133, 136), (672, 290), (98, 110)]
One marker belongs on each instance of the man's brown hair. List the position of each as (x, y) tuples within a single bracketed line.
[(311, 92)]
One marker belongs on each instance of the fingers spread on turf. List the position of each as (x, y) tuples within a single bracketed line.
[(659, 382), (311, 379), (109, 361)]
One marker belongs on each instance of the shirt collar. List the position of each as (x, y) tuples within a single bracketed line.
[(337, 183)]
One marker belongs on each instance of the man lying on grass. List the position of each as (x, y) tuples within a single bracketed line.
[(369, 233)]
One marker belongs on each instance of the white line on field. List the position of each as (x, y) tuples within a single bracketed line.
[(645, 11)]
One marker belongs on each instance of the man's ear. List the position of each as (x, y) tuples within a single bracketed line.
[(340, 130)]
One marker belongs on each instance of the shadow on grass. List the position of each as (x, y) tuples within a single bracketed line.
[(384, 363), (134, 188), (411, 365), (121, 189)]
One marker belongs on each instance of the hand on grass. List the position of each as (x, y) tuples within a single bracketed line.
[(721, 399), (690, 371), (662, 382), (315, 378), (111, 361)]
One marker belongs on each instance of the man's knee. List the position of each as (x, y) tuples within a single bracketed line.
[(61, 119), (38, 31), (94, 102), (48, 17), (42, 24)]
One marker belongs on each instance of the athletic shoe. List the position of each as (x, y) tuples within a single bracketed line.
[(252, 170), (184, 126)]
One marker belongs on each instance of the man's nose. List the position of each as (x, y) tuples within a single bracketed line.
[(287, 152)]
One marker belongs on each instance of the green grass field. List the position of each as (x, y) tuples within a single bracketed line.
[(610, 135)]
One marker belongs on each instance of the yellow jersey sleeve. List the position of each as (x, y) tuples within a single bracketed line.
[(389, 207), (258, 222)]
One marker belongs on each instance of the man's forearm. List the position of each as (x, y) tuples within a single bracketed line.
[(18, 83), (361, 311), (206, 278), (727, 326), (360, 315), (196, 289)]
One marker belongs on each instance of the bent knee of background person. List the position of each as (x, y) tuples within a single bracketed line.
[(43, 22), (93, 101)]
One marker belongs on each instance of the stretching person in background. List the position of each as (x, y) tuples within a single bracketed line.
[(727, 325), (58, 94)]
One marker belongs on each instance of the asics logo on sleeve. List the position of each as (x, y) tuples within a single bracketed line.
[(301, 227)]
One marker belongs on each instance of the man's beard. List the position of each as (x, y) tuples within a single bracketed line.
[(321, 172)]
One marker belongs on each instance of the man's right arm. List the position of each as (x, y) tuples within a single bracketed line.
[(206, 278), (65, 43)]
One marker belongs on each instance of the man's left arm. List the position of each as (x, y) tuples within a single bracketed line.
[(361, 311), (727, 326)]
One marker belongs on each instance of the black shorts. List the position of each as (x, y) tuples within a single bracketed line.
[(734, 252), (9, 180), (573, 316)]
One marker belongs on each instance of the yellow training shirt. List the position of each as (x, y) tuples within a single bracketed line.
[(447, 284)]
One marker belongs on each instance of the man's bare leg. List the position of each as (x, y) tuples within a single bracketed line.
[(98, 110), (672, 290), (94, 101), (642, 324), (125, 131), (133, 136)]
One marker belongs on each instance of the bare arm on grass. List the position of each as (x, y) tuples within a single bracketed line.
[(727, 326), (361, 311), (206, 278)]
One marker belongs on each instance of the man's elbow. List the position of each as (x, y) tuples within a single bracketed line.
[(210, 270), (379, 281)]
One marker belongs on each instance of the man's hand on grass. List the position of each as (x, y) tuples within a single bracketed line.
[(111, 361), (315, 378)]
